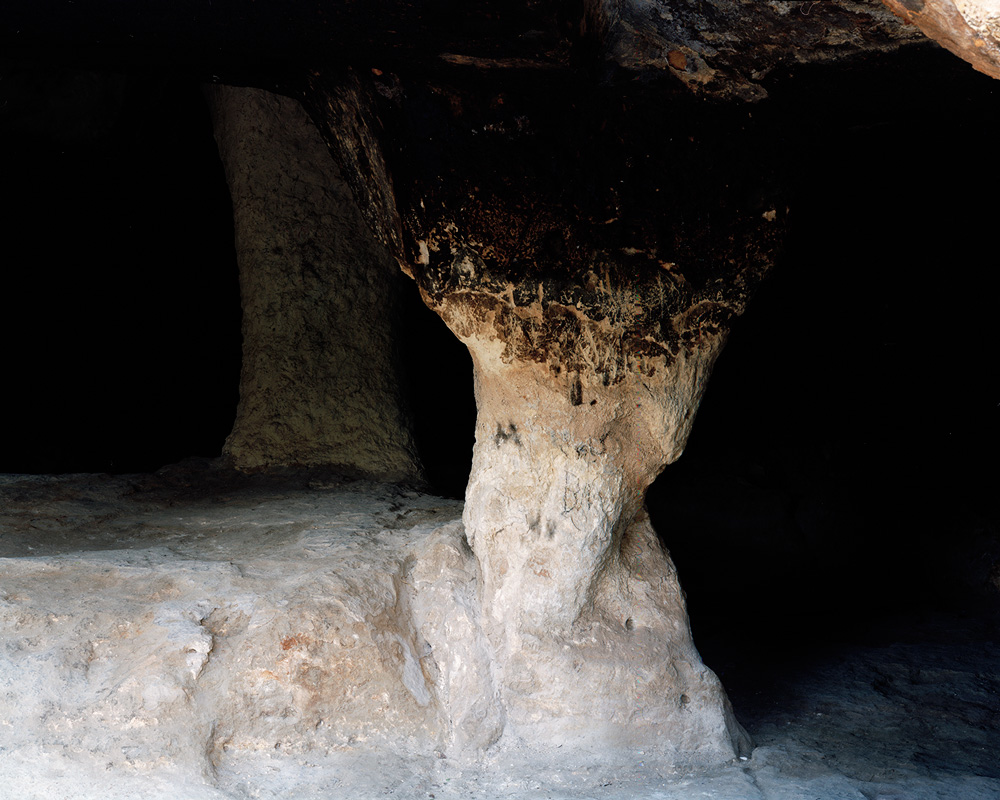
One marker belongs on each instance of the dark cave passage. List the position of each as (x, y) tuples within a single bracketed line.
[(122, 314)]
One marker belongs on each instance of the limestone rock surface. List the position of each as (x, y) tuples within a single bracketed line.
[(316, 622), (180, 636), (319, 383), (200, 635)]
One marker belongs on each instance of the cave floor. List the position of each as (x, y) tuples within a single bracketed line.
[(910, 709)]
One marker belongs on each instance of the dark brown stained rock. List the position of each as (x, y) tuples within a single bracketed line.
[(725, 48), (559, 196)]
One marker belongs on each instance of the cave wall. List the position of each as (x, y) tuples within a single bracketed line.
[(320, 379)]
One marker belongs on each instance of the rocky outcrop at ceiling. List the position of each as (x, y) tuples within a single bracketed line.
[(720, 47), (725, 48), (968, 28)]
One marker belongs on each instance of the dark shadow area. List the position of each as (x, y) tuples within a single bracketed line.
[(121, 313), (842, 467), (437, 370)]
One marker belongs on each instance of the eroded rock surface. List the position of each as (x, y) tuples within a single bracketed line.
[(319, 383), (147, 634), (194, 634), (247, 622), (594, 302)]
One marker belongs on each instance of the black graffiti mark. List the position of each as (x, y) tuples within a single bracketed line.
[(506, 434)]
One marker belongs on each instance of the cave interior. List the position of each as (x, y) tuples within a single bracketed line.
[(860, 382), (841, 475)]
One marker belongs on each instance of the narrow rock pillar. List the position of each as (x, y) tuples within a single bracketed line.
[(579, 601), (561, 466)]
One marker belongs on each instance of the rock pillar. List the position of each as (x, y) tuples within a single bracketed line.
[(579, 601), (560, 469), (592, 261), (319, 381)]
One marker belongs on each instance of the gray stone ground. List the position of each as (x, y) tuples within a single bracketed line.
[(98, 704)]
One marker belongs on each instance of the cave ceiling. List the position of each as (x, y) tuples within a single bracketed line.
[(527, 151), (717, 47), (606, 83)]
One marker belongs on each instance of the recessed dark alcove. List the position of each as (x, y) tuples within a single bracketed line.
[(438, 376), (121, 300), (842, 466)]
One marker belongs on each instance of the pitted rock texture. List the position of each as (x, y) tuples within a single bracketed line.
[(319, 384)]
